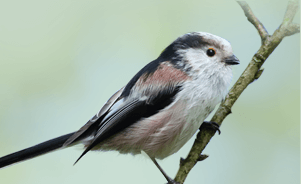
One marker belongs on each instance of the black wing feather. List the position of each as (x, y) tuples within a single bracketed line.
[(131, 113), (92, 125)]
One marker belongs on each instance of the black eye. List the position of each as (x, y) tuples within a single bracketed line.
[(211, 52)]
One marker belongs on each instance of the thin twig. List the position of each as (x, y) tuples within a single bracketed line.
[(253, 19), (251, 73), (291, 11), (287, 28)]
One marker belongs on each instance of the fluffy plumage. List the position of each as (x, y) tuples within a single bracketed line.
[(165, 103), (161, 107)]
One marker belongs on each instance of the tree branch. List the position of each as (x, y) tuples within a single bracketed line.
[(251, 73)]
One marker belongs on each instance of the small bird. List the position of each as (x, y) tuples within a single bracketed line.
[(160, 108)]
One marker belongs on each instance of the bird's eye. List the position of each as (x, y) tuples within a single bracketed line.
[(211, 52)]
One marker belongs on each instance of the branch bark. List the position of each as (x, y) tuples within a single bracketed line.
[(251, 73)]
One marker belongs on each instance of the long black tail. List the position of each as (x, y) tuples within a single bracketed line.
[(34, 151)]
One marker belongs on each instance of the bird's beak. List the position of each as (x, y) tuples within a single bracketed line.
[(232, 60)]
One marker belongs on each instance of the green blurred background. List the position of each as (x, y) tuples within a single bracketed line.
[(61, 60)]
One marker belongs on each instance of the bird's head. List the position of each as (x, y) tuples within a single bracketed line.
[(198, 50)]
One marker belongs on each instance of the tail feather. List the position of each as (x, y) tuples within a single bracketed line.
[(34, 151)]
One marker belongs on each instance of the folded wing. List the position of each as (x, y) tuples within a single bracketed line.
[(150, 91)]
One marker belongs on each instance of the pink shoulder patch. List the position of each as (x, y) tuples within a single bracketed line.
[(164, 74)]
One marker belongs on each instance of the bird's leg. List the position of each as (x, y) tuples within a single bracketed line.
[(211, 125), (169, 180)]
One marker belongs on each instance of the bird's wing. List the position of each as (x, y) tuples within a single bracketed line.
[(92, 124), (147, 93)]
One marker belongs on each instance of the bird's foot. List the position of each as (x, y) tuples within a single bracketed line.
[(210, 125), (171, 181)]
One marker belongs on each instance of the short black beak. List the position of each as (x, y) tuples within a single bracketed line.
[(232, 60)]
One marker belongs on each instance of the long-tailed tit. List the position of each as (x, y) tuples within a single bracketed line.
[(160, 108)]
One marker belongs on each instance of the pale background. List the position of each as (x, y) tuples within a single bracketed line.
[(60, 61)]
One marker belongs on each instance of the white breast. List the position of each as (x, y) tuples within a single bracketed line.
[(167, 131), (198, 99)]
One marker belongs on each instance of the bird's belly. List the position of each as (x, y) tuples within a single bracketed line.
[(160, 135), (191, 124), (176, 131), (183, 123)]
